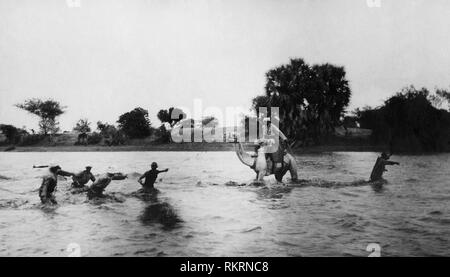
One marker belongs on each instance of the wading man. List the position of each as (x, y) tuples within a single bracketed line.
[(49, 183), (150, 177), (97, 188), (81, 179), (380, 167)]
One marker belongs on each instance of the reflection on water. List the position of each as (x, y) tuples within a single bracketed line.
[(160, 212), (4, 177), (378, 186), (156, 210), (208, 205)]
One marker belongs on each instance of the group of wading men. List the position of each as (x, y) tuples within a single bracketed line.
[(96, 189), (49, 182)]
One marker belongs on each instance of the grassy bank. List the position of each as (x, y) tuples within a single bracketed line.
[(66, 142), (185, 147)]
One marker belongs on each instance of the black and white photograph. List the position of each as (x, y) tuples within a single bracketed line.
[(224, 128)]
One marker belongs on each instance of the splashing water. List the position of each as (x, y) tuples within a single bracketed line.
[(208, 205)]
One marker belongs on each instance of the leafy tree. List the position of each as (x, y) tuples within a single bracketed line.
[(47, 111), (105, 128), (332, 95), (110, 134), (312, 99), (408, 121), (162, 134), (439, 98), (444, 94), (82, 126), (94, 138), (350, 122), (49, 126), (13, 135), (135, 124), (171, 116), (373, 118)]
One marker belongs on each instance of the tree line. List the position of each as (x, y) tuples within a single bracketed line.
[(134, 124), (413, 120), (313, 101)]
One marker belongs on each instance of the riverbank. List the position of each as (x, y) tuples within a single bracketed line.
[(198, 147)]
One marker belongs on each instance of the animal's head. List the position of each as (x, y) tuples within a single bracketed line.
[(263, 144)]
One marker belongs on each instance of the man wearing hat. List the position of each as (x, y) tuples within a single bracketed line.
[(380, 167), (82, 178)]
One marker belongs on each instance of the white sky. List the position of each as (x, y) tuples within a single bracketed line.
[(108, 57)]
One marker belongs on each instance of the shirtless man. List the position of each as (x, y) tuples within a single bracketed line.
[(81, 179), (49, 183), (150, 177), (97, 188), (380, 167)]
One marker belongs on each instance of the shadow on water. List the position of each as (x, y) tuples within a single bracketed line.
[(264, 189), (49, 210), (146, 196), (162, 213), (4, 178), (275, 192), (376, 185), (157, 211), (12, 203), (270, 190), (106, 198)]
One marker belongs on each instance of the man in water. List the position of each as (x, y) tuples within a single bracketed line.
[(97, 188), (49, 183), (150, 177), (274, 160), (81, 179), (380, 167)]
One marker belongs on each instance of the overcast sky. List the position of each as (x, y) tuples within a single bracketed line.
[(107, 57)]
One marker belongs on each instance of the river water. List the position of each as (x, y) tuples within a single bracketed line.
[(208, 207)]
